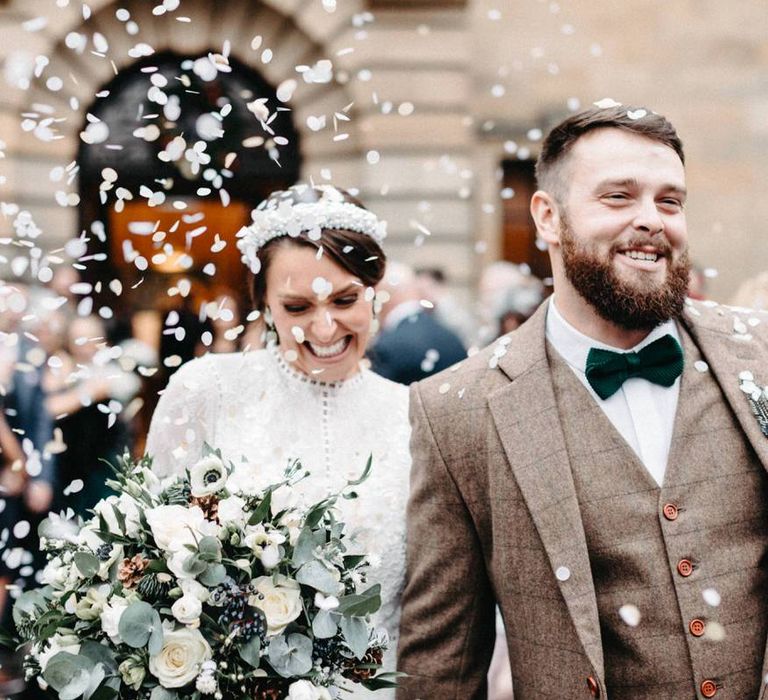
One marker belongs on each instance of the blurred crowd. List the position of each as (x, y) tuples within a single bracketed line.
[(77, 387)]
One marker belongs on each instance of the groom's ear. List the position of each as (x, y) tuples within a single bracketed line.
[(546, 216)]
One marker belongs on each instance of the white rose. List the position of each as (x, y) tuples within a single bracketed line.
[(179, 661), (58, 642), (174, 526), (280, 602), (304, 690), (58, 574), (110, 617), (187, 610), (232, 511), (208, 476), (193, 588)]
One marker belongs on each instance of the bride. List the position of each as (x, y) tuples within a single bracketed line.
[(315, 256)]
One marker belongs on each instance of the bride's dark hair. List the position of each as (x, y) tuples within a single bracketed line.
[(357, 253)]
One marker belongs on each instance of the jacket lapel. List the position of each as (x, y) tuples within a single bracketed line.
[(727, 356), (526, 418)]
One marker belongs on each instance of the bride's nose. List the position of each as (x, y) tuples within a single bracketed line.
[(323, 326)]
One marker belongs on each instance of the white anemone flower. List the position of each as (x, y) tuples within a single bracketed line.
[(208, 476)]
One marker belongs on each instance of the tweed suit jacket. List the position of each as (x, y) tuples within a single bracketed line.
[(494, 517)]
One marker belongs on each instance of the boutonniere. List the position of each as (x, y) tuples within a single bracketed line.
[(758, 399)]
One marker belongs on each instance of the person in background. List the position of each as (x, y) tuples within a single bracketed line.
[(518, 304), (412, 343), (433, 287), (497, 281), (87, 401), (753, 293)]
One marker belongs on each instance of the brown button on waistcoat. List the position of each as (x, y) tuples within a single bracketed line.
[(641, 556)]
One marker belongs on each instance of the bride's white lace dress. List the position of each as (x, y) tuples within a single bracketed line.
[(253, 406)]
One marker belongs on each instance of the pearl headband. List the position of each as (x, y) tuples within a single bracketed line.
[(274, 218)]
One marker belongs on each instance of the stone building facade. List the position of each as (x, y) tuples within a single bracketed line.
[(432, 102)]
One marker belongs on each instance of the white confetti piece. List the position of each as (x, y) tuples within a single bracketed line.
[(562, 573), (701, 366), (630, 614), (291, 356), (711, 597), (607, 103), (74, 486)]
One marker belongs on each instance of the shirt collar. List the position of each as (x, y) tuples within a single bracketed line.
[(574, 346)]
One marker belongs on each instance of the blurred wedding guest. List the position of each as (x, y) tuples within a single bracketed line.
[(518, 304), (697, 283), (495, 279), (753, 293), (412, 343), (87, 402), (433, 287)]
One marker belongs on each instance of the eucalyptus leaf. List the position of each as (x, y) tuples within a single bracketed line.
[(213, 575), (87, 564), (155, 644), (305, 544), (324, 625), (64, 668), (360, 604), (137, 623), (160, 693), (94, 681), (99, 654), (76, 687), (291, 656), (356, 635), (194, 565), (319, 577), (209, 549), (250, 652)]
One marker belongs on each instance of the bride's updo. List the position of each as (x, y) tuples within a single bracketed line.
[(279, 223)]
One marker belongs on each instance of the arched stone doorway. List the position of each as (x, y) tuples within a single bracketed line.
[(171, 163)]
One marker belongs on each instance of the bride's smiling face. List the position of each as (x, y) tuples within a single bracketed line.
[(320, 313)]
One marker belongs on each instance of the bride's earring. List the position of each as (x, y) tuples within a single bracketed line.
[(269, 323)]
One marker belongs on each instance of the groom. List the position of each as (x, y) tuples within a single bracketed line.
[(598, 473)]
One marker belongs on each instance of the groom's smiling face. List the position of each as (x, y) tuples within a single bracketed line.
[(320, 312), (623, 239)]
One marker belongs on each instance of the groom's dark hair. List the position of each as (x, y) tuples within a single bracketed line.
[(551, 164)]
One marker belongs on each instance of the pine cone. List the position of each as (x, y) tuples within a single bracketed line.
[(357, 674), (208, 504), (151, 587), (131, 571)]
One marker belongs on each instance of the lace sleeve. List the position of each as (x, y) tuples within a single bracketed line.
[(184, 418)]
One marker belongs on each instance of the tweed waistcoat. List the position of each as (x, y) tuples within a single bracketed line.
[(661, 549)]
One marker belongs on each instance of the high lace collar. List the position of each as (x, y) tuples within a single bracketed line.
[(294, 375)]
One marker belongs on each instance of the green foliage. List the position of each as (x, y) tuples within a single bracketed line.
[(140, 626)]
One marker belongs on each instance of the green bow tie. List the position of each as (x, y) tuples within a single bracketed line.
[(660, 362)]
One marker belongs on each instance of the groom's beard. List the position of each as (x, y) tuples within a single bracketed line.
[(627, 305)]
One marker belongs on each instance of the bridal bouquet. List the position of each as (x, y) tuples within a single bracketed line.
[(185, 589)]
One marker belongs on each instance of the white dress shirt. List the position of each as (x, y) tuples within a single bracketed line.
[(642, 412)]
